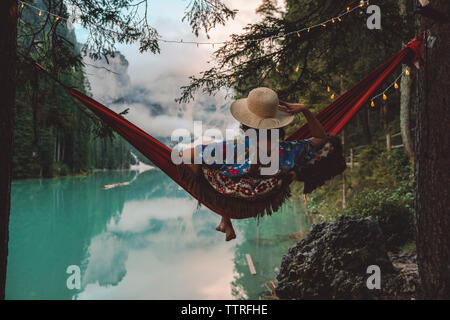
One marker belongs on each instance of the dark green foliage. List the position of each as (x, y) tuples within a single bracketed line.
[(336, 56), (380, 187), (391, 208), (206, 14)]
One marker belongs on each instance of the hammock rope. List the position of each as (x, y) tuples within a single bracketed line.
[(334, 117)]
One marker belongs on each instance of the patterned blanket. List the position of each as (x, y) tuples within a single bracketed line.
[(251, 187)]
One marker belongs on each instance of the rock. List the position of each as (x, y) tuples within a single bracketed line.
[(331, 263)]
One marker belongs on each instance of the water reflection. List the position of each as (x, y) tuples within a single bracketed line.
[(146, 240)]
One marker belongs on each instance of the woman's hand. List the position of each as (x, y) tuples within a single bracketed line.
[(292, 108)]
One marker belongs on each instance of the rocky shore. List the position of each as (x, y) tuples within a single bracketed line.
[(332, 262)]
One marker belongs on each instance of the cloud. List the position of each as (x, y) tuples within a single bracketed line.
[(150, 82), (136, 215)]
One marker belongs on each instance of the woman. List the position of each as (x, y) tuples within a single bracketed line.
[(239, 187)]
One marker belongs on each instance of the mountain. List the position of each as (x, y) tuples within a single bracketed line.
[(149, 108)]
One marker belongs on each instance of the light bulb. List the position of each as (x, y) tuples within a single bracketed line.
[(332, 96), (372, 104), (396, 85), (407, 72), (296, 69), (328, 89), (384, 96)]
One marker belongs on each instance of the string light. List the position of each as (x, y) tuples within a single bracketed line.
[(407, 72), (383, 93), (280, 36), (257, 41), (332, 96)]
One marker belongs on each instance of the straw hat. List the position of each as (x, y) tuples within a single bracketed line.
[(260, 110)]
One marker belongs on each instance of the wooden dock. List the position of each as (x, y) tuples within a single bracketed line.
[(251, 266)]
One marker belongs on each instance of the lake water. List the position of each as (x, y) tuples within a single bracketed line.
[(146, 240)]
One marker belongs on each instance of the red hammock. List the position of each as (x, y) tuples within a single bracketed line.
[(333, 118)]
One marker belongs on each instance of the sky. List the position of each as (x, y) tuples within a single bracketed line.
[(162, 75)]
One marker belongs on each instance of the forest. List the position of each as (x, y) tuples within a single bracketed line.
[(53, 135)]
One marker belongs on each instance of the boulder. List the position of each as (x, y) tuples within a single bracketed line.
[(331, 263)]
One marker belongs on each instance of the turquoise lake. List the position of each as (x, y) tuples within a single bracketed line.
[(145, 240)]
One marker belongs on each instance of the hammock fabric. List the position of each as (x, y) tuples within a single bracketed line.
[(333, 118)]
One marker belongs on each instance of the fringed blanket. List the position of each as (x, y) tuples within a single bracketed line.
[(244, 196)]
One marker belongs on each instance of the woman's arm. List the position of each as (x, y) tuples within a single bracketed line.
[(317, 131)]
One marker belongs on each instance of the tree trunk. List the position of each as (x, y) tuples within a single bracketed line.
[(365, 125), (432, 166), (405, 101), (8, 43), (405, 97)]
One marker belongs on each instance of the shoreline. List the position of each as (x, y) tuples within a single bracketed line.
[(75, 175)]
